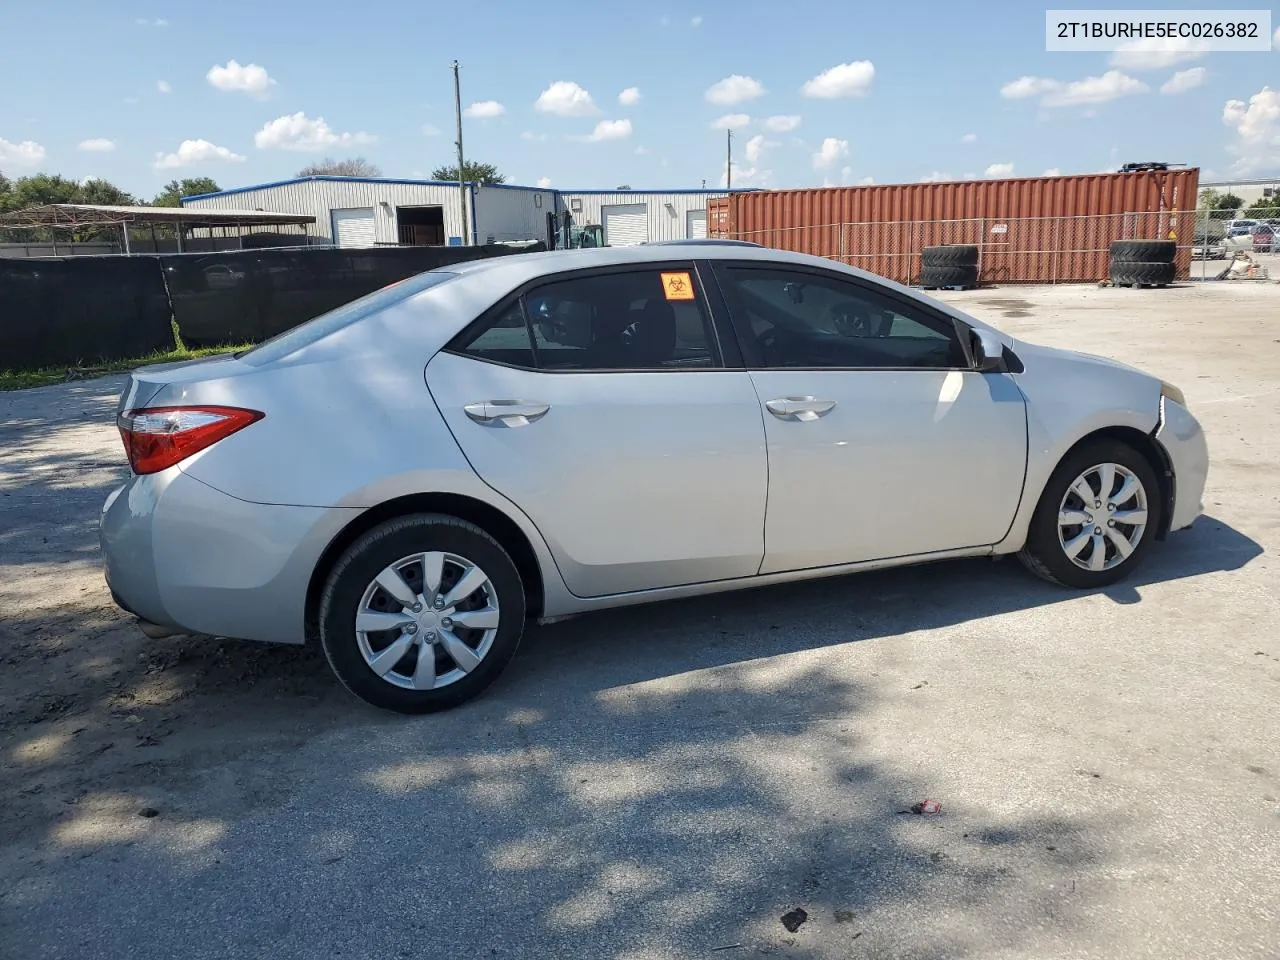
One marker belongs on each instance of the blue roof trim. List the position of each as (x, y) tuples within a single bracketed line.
[(450, 183)]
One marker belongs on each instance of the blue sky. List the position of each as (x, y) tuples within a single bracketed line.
[(141, 93)]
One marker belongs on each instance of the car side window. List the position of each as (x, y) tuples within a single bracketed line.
[(644, 319), (801, 319), (504, 340)]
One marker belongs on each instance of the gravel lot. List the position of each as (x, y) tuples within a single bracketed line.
[(663, 782)]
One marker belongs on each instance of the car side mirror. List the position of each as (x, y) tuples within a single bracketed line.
[(988, 352)]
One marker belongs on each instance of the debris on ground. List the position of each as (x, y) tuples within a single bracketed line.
[(844, 916), (794, 919), (925, 808), (1243, 267)]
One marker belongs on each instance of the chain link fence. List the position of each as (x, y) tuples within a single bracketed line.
[(1026, 250)]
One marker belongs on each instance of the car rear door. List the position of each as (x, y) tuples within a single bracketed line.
[(883, 442), (600, 403)]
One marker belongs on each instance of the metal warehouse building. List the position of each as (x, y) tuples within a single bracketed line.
[(358, 212)]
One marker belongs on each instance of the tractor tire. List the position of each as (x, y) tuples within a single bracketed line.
[(1157, 274), (951, 255), (1143, 251), (932, 277)]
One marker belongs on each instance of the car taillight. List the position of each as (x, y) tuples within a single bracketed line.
[(155, 438)]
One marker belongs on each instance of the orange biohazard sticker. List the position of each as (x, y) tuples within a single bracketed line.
[(677, 286)]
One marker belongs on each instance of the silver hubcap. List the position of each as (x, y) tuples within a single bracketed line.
[(1103, 516), (427, 620)]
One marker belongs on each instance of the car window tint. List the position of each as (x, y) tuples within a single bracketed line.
[(649, 319), (504, 340), (820, 320)]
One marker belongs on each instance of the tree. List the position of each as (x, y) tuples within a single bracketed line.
[(1264, 209), (175, 190), (328, 167), (473, 172), (106, 193)]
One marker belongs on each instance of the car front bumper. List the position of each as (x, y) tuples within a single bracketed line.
[(178, 553), (1182, 438)]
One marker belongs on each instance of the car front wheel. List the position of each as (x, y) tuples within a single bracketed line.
[(421, 613), (1096, 518)]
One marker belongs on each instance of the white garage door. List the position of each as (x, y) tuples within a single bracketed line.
[(353, 227), (626, 224), (697, 224)]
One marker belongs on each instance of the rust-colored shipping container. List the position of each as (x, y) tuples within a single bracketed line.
[(1028, 230)]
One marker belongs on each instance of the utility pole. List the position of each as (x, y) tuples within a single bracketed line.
[(728, 160), (462, 186)]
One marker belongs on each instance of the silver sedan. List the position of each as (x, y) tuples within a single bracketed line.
[(411, 477)]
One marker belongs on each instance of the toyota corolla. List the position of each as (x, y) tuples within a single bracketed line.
[(410, 478)]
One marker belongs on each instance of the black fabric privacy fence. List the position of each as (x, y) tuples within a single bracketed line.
[(81, 309), (86, 309)]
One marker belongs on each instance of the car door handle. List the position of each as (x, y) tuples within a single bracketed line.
[(506, 413), (799, 408)]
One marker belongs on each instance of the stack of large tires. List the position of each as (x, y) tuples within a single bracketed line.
[(1143, 263), (953, 265)]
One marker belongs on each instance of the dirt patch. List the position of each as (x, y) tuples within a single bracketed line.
[(89, 707), (1009, 308)]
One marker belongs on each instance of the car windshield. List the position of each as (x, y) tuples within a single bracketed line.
[(322, 326)]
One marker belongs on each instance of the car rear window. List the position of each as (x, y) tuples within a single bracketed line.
[(304, 335)]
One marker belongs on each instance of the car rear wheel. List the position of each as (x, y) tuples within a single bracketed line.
[(421, 613), (1096, 518)]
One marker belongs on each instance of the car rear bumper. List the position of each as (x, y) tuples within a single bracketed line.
[(178, 553), (1183, 440)]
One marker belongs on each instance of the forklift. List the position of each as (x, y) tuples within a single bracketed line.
[(564, 234)]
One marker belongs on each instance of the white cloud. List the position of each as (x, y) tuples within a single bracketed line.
[(1185, 80), (844, 80), (756, 147), (1257, 126), (191, 152), (565, 98), (247, 78), (1276, 38), (484, 110), (1157, 53), (96, 145), (430, 130), (544, 182), (1055, 93), (28, 153), (865, 181), (696, 21), (530, 135), (297, 131), (642, 150), (163, 86), (783, 123), (734, 89), (1052, 172), (144, 22), (629, 97), (665, 21), (1028, 87), (608, 130), (936, 177), (830, 151), (969, 138), (1000, 170), (730, 120)]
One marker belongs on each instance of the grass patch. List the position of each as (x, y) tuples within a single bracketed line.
[(23, 379)]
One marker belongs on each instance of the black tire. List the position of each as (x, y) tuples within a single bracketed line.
[(1143, 274), (1143, 251), (948, 277), (950, 255), (384, 545), (1043, 553)]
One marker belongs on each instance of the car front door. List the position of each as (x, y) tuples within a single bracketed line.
[(883, 441), (600, 403)]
